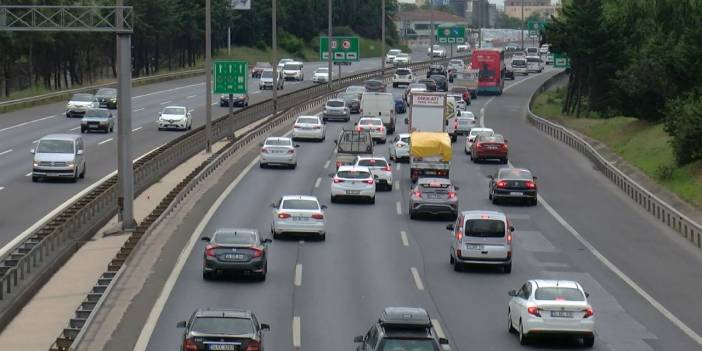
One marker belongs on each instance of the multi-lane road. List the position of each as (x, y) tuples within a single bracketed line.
[(642, 279), (23, 203)]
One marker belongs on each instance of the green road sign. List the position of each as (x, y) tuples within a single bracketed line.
[(561, 60), (344, 49), (230, 77), (451, 35), (536, 25)]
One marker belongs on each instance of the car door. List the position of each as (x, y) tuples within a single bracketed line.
[(521, 301), (80, 153)]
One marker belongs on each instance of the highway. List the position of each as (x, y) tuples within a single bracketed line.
[(20, 129), (642, 278)]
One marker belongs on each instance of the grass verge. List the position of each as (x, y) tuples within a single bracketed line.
[(643, 144)]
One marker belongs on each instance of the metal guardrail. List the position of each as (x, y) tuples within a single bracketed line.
[(662, 211)]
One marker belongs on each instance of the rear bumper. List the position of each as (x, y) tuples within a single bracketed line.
[(286, 159), (509, 193), (211, 265), (314, 227), (485, 261), (364, 192), (574, 327), (434, 208), (307, 134), (490, 155)]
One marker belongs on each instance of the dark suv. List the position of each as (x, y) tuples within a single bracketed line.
[(222, 329), (437, 69), (403, 328)]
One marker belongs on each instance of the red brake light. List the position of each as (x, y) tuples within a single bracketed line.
[(459, 235), (210, 250), (291, 151), (358, 129), (189, 345), (417, 193), (504, 146), (368, 181), (451, 194), (317, 127), (501, 184), (338, 180), (589, 312), (387, 168), (509, 238), (530, 184), (296, 125), (257, 252), (458, 252), (283, 215), (253, 345), (534, 311), (318, 216)]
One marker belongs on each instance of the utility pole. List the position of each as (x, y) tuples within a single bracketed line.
[(522, 25), (432, 31), (382, 37), (274, 30), (208, 75), (229, 41), (125, 170), (329, 46)]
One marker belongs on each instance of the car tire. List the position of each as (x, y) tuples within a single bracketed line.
[(160, 129), (451, 260), (322, 237), (35, 179), (261, 165), (262, 275), (466, 151), (82, 174), (507, 269), (372, 200), (454, 138), (523, 338), (589, 341), (75, 177), (293, 166), (333, 199), (494, 200), (504, 160), (457, 266), (510, 327), (534, 201), (206, 275), (412, 214)]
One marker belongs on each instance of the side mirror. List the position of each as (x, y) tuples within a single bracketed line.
[(535, 177), (331, 175), (297, 145), (261, 144), (450, 226), (266, 241), (457, 188), (181, 324), (324, 207), (511, 228), (265, 326), (443, 341), (272, 205), (358, 339), (79, 152), (512, 293), (206, 239), (31, 151)]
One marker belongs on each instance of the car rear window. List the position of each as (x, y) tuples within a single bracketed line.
[(335, 103), (403, 72), (371, 122), (107, 92), (278, 142), (372, 163), (458, 89), (515, 174), (481, 132), (292, 67), (374, 83), (558, 294), (298, 204), (533, 59), (485, 228), (491, 139), (82, 97), (234, 238), (222, 325), (405, 140), (389, 344), (434, 187), (518, 63), (464, 121), (353, 174), (97, 113), (310, 120), (174, 111)]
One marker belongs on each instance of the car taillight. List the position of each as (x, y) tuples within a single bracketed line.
[(317, 127), (451, 194), (189, 345), (338, 180), (283, 215), (458, 252), (509, 238), (264, 150), (534, 311), (588, 312), (455, 125), (504, 146), (381, 129), (296, 125), (369, 181), (210, 250), (291, 151), (257, 252), (253, 345), (387, 168), (417, 193), (317, 216), (358, 129), (501, 184), (530, 184)]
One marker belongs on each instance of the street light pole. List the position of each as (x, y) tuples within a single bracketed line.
[(329, 45), (208, 75), (382, 38), (432, 31), (522, 25), (274, 29), (125, 170), (229, 41)]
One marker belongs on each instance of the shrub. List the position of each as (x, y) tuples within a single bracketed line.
[(684, 124)]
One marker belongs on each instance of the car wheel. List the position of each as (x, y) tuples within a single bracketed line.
[(261, 165), (262, 275), (160, 129), (293, 166), (504, 160), (412, 214), (589, 340), (206, 275), (82, 130), (466, 151), (35, 179), (507, 268), (75, 177), (82, 174), (523, 338), (451, 259), (457, 266), (323, 237), (333, 199), (494, 200), (534, 201), (372, 200), (510, 327)]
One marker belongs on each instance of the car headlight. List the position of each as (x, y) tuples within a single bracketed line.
[(70, 163), (35, 164)]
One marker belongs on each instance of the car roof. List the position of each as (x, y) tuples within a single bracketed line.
[(482, 130), (353, 168), (369, 118), (433, 180), (336, 99), (60, 137), (404, 135), (236, 230), (359, 158), (480, 214), (173, 106), (404, 317), (313, 116), (295, 62), (223, 312), (549, 283), (279, 138), (299, 197)]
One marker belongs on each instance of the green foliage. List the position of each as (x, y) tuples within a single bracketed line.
[(292, 44), (684, 124)]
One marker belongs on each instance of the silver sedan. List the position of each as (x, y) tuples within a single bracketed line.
[(278, 151), (299, 214)]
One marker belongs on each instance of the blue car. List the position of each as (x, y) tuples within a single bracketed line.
[(400, 105)]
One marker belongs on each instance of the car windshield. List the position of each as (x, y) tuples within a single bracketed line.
[(372, 163), (394, 52), (353, 174), (234, 238), (82, 97), (335, 103), (106, 92), (370, 122), (222, 326), (456, 62), (403, 72), (308, 120), (402, 55), (98, 113), (300, 204), (355, 89), (55, 147), (532, 50), (348, 96), (374, 83), (491, 139), (292, 67), (558, 294), (267, 74), (403, 344), (533, 59), (278, 142), (522, 174), (485, 228), (323, 70), (464, 121), (438, 78), (173, 111)]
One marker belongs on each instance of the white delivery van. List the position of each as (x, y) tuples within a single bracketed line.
[(534, 64), (379, 105), (519, 66)]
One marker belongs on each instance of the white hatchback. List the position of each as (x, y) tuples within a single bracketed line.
[(353, 182), (551, 307), (374, 126), (399, 148), (299, 214), (474, 132), (380, 168), (175, 117), (309, 127)]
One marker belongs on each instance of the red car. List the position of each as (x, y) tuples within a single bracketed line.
[(489, 148)]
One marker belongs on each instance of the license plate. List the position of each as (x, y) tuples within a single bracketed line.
[(430, 172), (222, 347), (353, 192), (431, 196), (299, 218), (562, 314), (492, 147), (516, 193), (92, 126), (236, 257), (474, 247)]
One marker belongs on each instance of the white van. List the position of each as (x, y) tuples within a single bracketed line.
[(379, 105), (519, 65), (59, 156), (535, 64)]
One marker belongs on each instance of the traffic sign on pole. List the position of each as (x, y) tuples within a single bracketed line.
[(455, 34), (561, 60), (230, 77), (344, 49)]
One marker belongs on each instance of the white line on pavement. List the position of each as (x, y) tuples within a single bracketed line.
[(28, 122), (190, 96), (398, 166), (397, 185), (296, 332), (105, 141), (319, 180), (139, 109), (398, 207), (136, 129), (326, 164), (298, 274), (417, 279), (403, 236), (439, 332), (256, 92), (167, 90), (28, 174), (165, 102), (35, 141), (5, 152), (76, 128), (2, 187), (214, 103)]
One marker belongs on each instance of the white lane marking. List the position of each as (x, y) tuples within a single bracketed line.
[(255, 92), (398, 207), (296, 332), (165, 102), (139, 109), (397, 185), (417, 278), (105, 141), (316, 183), (76, 128), (439, 332), (190, 96), (28, 122), (28, 174), (5, 152), (35, 141), (398, 166), (2, 187), (326, 164), (214, 103), (657, 305), (136, 129), (403, 237), (167, 90), (298, 274)]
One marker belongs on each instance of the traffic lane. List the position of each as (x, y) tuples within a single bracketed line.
[(572, 185)]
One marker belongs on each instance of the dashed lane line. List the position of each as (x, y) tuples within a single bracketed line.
[(139, 109), (137, 129), (5, 152), (326, 164), (316, 183), (298, 274), (28, 122), (166, 102), (72, 129), (105, 141), (398, 207), (417, 278), (403, 237), (440, 332), (397, 185), (296, 332)]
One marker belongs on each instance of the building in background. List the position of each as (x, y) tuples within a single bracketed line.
[(542, 8), (477, 13), (492, 15), (417, 23)]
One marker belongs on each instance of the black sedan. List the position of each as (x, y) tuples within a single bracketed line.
[(106, 98), (513, 183), (430, 83), (222, 329), (352, 101), (441, 82), (238, 100), (235, 250), (374, 85)]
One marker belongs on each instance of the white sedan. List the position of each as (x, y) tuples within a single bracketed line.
[(380, 169), (175, 117), (374, 126), (309, 127), (545, 307), (321, 75), (299, 214), (278, 151), (474, 132), (353, 182)]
